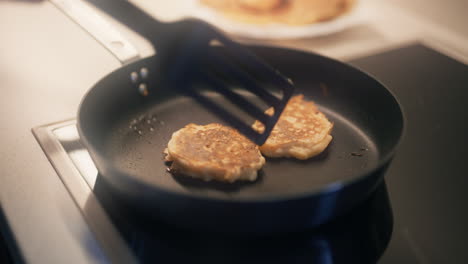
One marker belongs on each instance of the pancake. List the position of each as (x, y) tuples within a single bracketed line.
[(302, 131), (290, 12), (213, 152), (260, 5)]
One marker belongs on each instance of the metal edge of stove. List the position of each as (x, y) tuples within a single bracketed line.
[(110, 240)]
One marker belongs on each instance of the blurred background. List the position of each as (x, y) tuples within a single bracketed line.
[(48, 62)]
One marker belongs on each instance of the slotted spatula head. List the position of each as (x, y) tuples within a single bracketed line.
[(208, 59)]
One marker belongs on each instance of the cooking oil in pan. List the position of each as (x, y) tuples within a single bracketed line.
[(145, 123)]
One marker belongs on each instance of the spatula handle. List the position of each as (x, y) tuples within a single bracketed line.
[(136, 19)]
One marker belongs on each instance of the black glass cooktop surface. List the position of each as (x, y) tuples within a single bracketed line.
[(428, 179), (418, 215)]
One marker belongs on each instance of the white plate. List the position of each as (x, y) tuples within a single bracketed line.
[(357, 15)]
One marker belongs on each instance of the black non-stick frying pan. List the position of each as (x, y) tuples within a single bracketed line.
[(126, 134)]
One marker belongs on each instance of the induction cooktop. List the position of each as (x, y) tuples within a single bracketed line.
[(417, 215)]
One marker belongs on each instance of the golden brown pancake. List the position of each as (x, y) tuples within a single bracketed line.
[(302, 131), (260, 5), (292, 12), (213, 152)]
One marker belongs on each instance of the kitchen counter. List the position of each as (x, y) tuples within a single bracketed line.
[(47, 63)]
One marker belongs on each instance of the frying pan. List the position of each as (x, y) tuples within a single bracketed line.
[(126, 133)]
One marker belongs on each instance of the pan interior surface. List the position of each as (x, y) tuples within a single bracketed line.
[(136, 147), (129, 134)]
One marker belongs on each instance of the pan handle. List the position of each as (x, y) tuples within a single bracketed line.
[(99, 29)]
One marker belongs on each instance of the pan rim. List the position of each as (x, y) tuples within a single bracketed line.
[(319, 191)]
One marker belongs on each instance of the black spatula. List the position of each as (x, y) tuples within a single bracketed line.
[(195, 53)]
